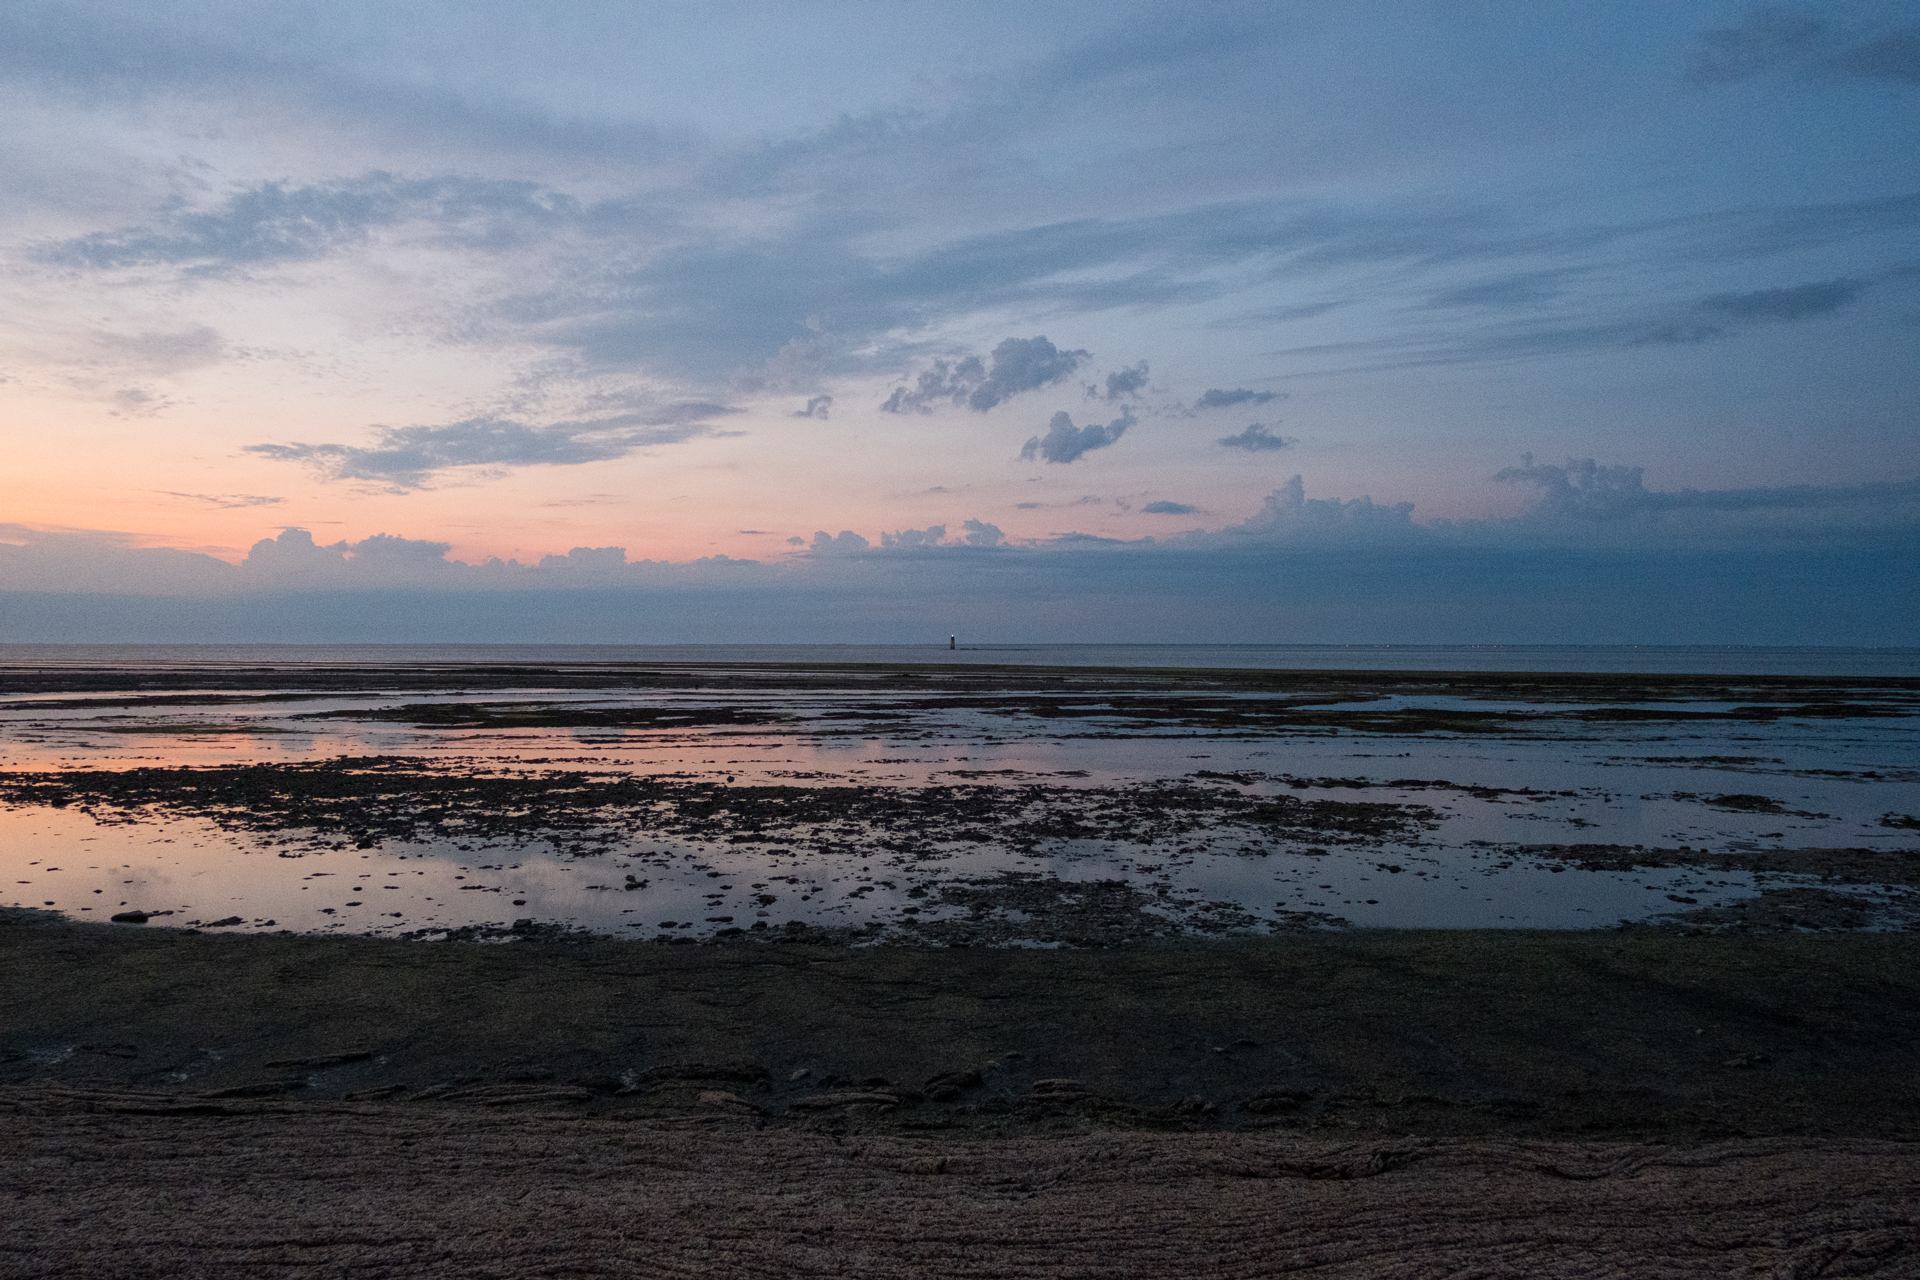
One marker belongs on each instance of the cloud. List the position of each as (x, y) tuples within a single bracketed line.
[(1582, 489), (162, 351), (1769, 37), (945, 381), (658, 287), (293, 555), (93, 561), (820, 407), (226, 501), (905, 539), (594, 560), (1287, 512), (1795, 302), (1023, 365), (138, 402), (1166, 508), (1807, 40), (1676, 324), (1260, 317), (1678, 333), (978, 533), (974, 534), (1121, 383), (1894, 56), (1018, 364), (1599, 553), (1215, 398), (1255, 439), (1065, 442), (412, 457), (844, 543), (295, 79), (1524, 289), (276, 222)]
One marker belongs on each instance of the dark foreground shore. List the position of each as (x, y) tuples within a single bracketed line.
[(1636, 1102)]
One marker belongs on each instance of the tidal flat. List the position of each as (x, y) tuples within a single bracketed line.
[(953, 805), (583, 969)]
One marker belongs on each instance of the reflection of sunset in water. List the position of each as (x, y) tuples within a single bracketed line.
[(1589, 787)]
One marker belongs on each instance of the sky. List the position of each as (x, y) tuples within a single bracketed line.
[(1407, 322)]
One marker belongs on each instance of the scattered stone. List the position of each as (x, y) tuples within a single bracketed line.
[(722, 1098)]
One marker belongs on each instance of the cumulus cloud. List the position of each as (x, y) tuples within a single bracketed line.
[(294, 555), (931, 536), (1217, 398), (974, 533), (1795, 302), (1594, 527), (411, 457), (945, 381), (978, 533), (1121, 383), (1065, 442), (820, 407), (1289, 512), (594, 560), (1016, 365), (69, 561), (844, 543), (1255, 439), (1163, 507)]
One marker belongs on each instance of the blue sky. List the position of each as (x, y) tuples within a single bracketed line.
[(1484, 322)]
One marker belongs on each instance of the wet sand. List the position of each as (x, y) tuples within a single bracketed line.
[(1639, 1102), (270, 1190), (1640, 1032)]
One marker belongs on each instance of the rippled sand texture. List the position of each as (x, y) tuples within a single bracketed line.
[(109, 1185)]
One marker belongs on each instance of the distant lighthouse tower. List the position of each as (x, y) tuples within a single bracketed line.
[(953, 642)]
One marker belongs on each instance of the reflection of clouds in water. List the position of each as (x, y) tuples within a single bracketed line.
[(1618, 796), (186, 864)]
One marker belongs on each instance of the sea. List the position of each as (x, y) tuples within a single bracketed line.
[(1612, 659)]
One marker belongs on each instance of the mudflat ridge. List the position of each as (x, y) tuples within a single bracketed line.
[(1640, 1033)]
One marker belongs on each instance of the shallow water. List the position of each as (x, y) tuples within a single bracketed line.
[(1476, 861)]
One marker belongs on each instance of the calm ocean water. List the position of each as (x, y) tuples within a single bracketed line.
[(1647, 659)]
